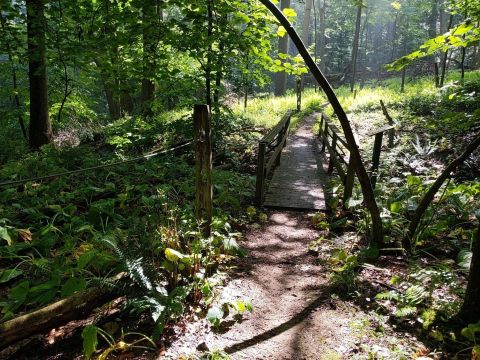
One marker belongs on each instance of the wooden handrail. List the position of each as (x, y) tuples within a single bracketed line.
[(269, 152), (331, 140), (338, 149)]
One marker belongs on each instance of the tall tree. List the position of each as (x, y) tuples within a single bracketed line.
[(356, 41), (322, 9), (306, 24), (40, 130), (151, 17), (281, 76)]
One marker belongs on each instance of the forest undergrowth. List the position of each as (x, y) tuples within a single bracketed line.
[(63, 236)]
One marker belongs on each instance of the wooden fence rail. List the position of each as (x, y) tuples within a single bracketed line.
[(269, 151), (340, 154)]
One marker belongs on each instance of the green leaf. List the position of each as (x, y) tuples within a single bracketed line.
[(289, 13), (19, 292), (5, 236), (173, 255), (281, 32), (396, 207), (464, 259), (85, 259), (396, 5), (215, 315), (9, 274), (73, 285), (90, 341)]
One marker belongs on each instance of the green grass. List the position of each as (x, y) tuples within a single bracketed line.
[(268, 111)]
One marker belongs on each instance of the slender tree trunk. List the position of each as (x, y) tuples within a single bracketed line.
[(394, 38), (432, 32), (445, 56), (464, 50), (471, 305), (208, 69), (364, 44), (356, 41), (281, 77), (306, 28), (151, 16), (40, 131), (18, 104), (219, 75), (322, 41), (367, 190)]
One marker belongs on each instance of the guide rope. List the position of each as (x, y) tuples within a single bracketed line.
[(97, 167)]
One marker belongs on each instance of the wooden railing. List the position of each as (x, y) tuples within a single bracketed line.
[(269, 151), (340, 155)]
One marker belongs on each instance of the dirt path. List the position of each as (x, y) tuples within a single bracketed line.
[(293, 315)]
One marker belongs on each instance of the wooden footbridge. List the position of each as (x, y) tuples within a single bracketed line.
[(293, 169)]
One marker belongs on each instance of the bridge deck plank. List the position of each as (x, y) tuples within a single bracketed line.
[(300, 179)]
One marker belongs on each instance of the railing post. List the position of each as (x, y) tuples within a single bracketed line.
[(299, 94), (325, 136), (334, 147), (377, 149), (349, 180), (260, 184), (320, 127), (203, 168)]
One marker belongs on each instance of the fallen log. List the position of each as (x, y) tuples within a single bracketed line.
[(75, 307)]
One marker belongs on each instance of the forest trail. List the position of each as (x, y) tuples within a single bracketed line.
[(293, 316), (299, 182)]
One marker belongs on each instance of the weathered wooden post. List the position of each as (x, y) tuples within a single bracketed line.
[(325, 135), (331, 163), (203, 167), (299, 94), (260, 184), (349, 181), (377, 149), (391, 122)]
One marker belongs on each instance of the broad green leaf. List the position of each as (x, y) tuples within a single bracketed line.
[(73, 285), (173, 255), (396, 5), (5, 236), (281, 32), (90, 341), (9, 274), (464, 259), (215, 315), (289, 13)]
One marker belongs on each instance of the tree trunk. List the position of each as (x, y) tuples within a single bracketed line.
[(432, 32), (394, 38), (322, 39), (471, 305), (281, 77), (306, 27), (208, 68), (40, 131), (367, 190), (356, 41), (445, 56), (18, 105), (151, 16), (364, 42), (430, 195)]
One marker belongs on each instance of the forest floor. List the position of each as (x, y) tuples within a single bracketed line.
[(297, 313)]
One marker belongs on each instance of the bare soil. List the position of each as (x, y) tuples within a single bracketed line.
[(297, 313)]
